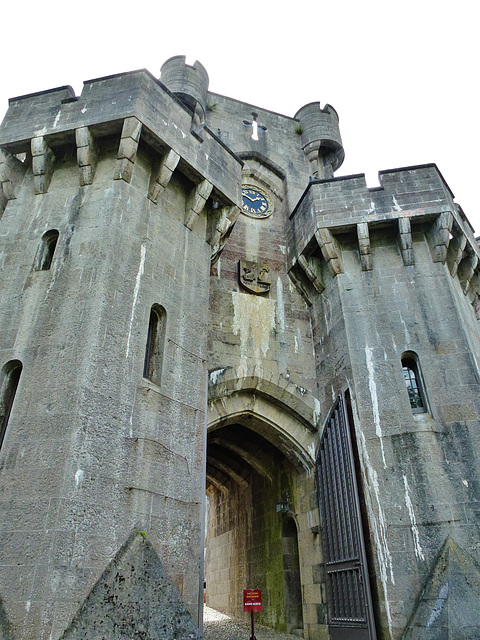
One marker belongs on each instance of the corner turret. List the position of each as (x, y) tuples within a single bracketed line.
[(189, 83), (321, 140)]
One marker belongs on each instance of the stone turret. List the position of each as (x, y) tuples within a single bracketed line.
[(189, 83), (321, 140)]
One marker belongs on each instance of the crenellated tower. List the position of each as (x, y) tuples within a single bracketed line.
[(113, 207)]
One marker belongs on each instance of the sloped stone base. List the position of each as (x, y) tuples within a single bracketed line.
[(449, 607), (134, 598), (5, 625)]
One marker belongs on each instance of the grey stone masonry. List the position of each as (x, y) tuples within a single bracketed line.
[(191, 306)]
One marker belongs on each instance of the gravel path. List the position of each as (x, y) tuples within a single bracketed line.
[(218, 626)]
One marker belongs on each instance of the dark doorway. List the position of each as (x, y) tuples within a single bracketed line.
[(249, 543), (291, 567)]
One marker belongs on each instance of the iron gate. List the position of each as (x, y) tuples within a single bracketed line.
[(350, 602)]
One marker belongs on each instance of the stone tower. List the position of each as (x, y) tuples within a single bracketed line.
[(195, 312)]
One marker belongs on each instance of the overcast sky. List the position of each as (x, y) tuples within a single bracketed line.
[(403, 76)]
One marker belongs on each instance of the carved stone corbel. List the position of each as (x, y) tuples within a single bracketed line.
[(42, 164), (364, 246), (87, 155), (439, 236), (162, 174), (312, 273), (12, 172), (455, 251), (406, 244), (127, 150), (298, 277), (466, 269), (196, 202), (474, 291), (330, 249), (223, 221)]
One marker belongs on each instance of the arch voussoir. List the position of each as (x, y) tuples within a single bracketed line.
[(285, 414)]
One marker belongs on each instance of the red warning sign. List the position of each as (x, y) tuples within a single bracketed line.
[(252, 600)]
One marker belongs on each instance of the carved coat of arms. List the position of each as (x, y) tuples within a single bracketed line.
[(255, 277)]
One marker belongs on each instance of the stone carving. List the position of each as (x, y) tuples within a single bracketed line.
[(254, 277)]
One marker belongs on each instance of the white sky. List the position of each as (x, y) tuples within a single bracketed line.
[(403, 76)]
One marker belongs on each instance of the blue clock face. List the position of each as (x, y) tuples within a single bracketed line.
[(255, 203)]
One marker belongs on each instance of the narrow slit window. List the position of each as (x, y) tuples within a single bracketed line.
[(43, 260), (152, 369), (413, 381), (9, 377)]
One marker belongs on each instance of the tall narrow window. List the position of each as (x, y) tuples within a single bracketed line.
[(9, 377), (152, 368), (44, 257), (413, 381)]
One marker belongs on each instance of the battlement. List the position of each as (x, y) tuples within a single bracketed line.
[(343, 202), (331, 210), (136, 109)]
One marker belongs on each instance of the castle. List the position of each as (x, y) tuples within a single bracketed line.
[(205, 334)]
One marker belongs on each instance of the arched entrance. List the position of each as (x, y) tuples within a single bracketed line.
[(256, 451)]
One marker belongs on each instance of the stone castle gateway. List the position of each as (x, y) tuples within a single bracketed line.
[(205, 334)]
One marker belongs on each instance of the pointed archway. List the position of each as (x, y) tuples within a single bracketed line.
[(259, 441)]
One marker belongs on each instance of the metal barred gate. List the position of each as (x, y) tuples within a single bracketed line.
[(350, 602)]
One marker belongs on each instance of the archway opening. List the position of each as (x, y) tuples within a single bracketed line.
[(250, 487)]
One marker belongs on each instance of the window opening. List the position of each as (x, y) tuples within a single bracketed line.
[(256, 127), (46, 250), (152, 368), (10, 375), (414, 384)]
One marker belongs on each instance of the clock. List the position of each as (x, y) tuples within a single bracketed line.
[(255, 203)]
